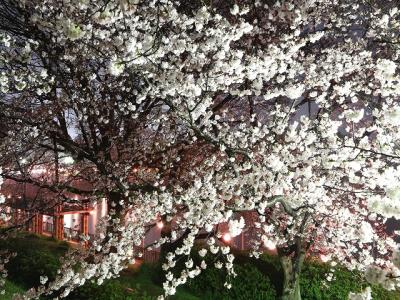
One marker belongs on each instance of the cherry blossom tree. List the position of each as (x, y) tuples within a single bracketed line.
[(193, 112)]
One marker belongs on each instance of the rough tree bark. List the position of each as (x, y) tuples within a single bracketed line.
[(292, 258), (291, 267)]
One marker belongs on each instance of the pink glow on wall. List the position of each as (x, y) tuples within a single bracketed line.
[(99, 211)]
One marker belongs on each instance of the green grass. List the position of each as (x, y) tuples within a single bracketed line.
[(36, 256), (132, 284), (39, 255), (11, 289), (33, 241), (25, 241), (145, 279)]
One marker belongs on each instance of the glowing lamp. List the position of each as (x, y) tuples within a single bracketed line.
[(269, 244), (324, 258), (227, 237), (160, 225)]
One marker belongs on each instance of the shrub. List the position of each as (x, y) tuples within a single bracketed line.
[(314, 285), (10, 289), (249, 283), (110, 290), (35, 257), (28, 266)]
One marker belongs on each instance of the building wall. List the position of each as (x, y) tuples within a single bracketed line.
[(99, 211)]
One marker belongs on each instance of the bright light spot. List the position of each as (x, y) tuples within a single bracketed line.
[(325, 258), (23, 161), (160, 225), (38, 170), (269, 245), (227, 237), (67, 160)]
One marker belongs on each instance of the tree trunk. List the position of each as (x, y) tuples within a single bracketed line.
[(166, 233), (291, 279), (115, 211)]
